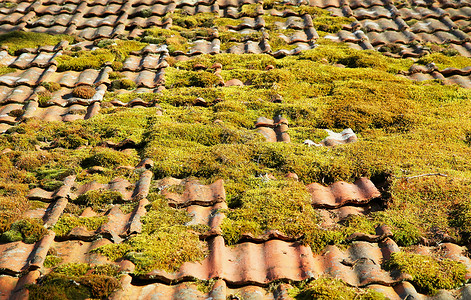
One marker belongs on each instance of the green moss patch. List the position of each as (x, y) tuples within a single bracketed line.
[(429, 274), (5, 70), (165, 242), (326, 288), (108, 158), (27, 230), (290, 199), (77, 281), (99, 200), (68, 222), (82, 60), (17, 40)]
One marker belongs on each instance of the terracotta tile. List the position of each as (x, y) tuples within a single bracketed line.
[(366, 3), (189, 290), (156, 10), (76, 251), (392, 37), (463, 81), (193, 192), (18, 257), (326, 3), (205, 47), (359, 265), (400, 291), (19, 94), (147, 62), (340, 193), (4, 127), (30, 77), (421, 13), (381, 25), (459, 13), (146, 78), (14, 287), (374, 12)]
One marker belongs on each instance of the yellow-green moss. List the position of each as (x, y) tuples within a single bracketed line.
[(68, 222), (326, 288), (429, 274), (165, 242), (5, 70), (76, 281), (27, 230), (17, 40), (82, 60), (108, 158)]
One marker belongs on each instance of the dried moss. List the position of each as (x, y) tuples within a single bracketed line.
[(84, 92), (429, 274), (51, 86)]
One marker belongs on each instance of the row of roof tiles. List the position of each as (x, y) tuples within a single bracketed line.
[(271, 258)]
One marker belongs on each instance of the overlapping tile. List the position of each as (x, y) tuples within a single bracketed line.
[(182, 193), (340, 193), (273, 130), (189, 290)]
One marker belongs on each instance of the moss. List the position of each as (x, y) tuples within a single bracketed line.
[(51, 86), (182, 78), (165, 242), (51, 261), (295, 216), (429, 274), (108, 158), (172, 38), (6, 70), (326, 288), (75, 281), (17, 40), (99, 199), (443, 61), (83, 91), (180, 18), (249, 10), (205, 286), (68, 222), (16, 113), (429, 204), (27, 230), (44, 97), (123, 83), (82, 60)]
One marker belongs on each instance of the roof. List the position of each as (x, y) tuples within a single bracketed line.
[(134, 128)]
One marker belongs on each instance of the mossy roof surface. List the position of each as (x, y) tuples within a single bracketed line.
[(157, 180)]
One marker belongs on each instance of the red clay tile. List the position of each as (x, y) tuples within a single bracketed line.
[(193, 193), (340, 193)]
